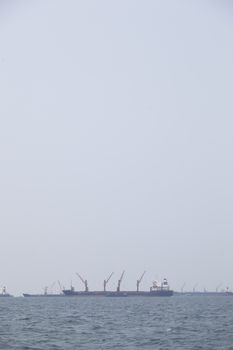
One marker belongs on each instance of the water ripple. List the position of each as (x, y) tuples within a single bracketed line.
[(129, 323)]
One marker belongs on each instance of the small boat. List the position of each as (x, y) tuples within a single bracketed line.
[(4, 293)]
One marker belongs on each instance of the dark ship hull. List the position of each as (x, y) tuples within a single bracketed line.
[(70, 292)]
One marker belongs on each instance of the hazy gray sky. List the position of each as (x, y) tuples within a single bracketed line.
[(116, 142)]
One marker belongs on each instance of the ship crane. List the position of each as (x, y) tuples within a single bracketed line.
[(182, 288), (60, 287), (218, 286), (84, 282), (140, 280), (51, 287), (107, 280), (119, 282), (194, 287)]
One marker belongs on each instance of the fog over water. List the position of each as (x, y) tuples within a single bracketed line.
[(116, 142)]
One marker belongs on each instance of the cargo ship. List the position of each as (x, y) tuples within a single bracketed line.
[(45, 294), (205, 294), (157, 290), (27, 295)]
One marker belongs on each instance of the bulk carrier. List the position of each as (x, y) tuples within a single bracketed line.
[(158, 289), (46, 293)]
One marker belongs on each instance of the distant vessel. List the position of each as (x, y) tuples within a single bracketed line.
[(45, 294), (205, 294), (26, 295), (4, 293), (224, 292), (157, 290)]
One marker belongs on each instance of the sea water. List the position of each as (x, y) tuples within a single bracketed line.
[(179, 322)]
